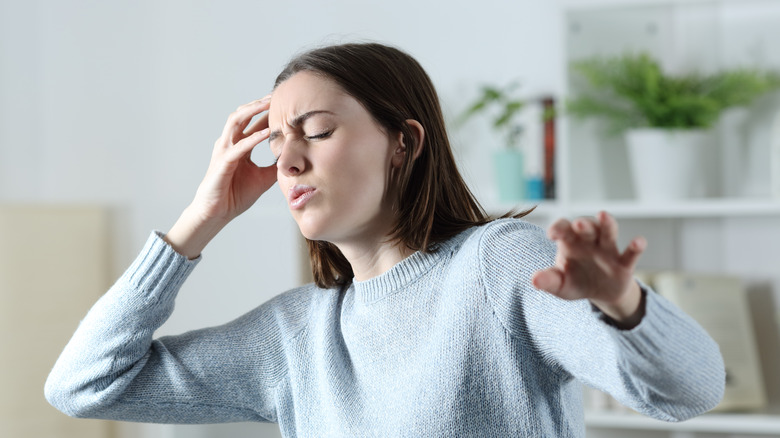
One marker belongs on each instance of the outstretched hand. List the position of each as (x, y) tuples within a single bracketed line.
[(590, 265)]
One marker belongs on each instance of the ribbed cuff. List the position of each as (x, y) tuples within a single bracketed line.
[(159, 271)]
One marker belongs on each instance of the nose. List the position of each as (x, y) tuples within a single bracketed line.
[(292, 160)]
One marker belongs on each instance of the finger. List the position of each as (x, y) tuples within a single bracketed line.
[(240, 118), (549, 280), (265, 177), (632, 253), (586, 229), (260, 124), (560, 230), (244, 147), (608, 230)]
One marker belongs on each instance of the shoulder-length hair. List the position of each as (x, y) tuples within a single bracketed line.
[(432, 201)]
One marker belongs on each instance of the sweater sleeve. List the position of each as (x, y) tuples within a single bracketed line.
[(113, 369), (667, 367)]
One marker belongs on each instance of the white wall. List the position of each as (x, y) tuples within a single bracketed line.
[(119, 103)]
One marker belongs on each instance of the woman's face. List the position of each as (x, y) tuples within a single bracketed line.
[(334, 161)]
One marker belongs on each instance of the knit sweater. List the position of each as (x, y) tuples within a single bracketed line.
[(456, 342)]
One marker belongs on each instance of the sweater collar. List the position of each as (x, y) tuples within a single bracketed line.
[(406, 271)]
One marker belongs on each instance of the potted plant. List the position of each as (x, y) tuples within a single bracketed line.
[(503, 108), (665, 118)]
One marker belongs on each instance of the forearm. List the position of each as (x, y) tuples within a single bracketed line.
[(116, 334), (669, 363), (192, 232)]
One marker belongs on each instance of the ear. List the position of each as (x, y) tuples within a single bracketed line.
[(418, 132)]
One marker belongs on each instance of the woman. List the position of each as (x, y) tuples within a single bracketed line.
[(426, 319)]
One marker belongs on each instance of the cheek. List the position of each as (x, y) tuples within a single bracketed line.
[(280, 181), (369, 167), (367, 186)]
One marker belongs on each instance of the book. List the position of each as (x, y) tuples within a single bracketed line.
[(719, 304), (548, 117)]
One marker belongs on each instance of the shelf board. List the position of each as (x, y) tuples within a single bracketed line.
[(680, 209), (765, 424), (694, 208), (542, 207)]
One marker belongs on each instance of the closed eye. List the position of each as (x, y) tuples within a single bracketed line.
[(319, 136)]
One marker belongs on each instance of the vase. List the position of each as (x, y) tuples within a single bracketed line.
[(510, 175), (668, 164)]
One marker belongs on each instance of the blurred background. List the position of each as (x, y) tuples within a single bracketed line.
[(109, 111)]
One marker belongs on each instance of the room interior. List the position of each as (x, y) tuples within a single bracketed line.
[(109, 111)]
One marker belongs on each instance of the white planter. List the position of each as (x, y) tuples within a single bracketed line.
[(668, 164), (774, 159)]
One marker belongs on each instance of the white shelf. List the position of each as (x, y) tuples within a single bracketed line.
[(695, 208), (759, 424), (542, 207), (680, 209)]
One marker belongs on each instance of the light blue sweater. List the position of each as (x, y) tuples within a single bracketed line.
[(453, 343)]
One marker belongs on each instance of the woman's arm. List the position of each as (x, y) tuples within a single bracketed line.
[(112, 368), (665, 365)]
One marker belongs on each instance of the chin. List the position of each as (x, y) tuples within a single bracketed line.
[(318, 225), (310, 236), (310, 231), (318, 234)]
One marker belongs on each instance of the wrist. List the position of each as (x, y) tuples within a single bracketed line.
[(192, 232), (628, 310)]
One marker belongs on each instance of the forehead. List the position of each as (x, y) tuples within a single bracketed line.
[(304, 92)]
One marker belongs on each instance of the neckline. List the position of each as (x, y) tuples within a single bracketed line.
[(406, 271)]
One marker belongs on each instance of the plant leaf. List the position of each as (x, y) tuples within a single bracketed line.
[(631, 90)]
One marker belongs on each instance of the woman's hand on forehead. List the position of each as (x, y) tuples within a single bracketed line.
[(232, 183)]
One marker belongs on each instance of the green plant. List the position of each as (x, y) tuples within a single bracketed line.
[(631, 91), (503, 108)]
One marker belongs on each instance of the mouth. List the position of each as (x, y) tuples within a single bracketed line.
[(299, 195)]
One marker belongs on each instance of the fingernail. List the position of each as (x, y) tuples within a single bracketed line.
[(265, 99)]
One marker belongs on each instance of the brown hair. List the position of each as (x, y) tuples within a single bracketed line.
[(433, 202)]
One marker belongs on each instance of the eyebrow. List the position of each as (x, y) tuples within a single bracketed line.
[(297, 121)]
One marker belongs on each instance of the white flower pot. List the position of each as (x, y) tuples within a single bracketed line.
[(667, 164)]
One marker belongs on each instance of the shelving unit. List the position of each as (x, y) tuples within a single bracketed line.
[(735, 230), (681, 227)]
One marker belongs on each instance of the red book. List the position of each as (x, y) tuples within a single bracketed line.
[(548, 104)]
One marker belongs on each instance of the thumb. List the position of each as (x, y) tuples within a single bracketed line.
[(549, 280), (266, 176)]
